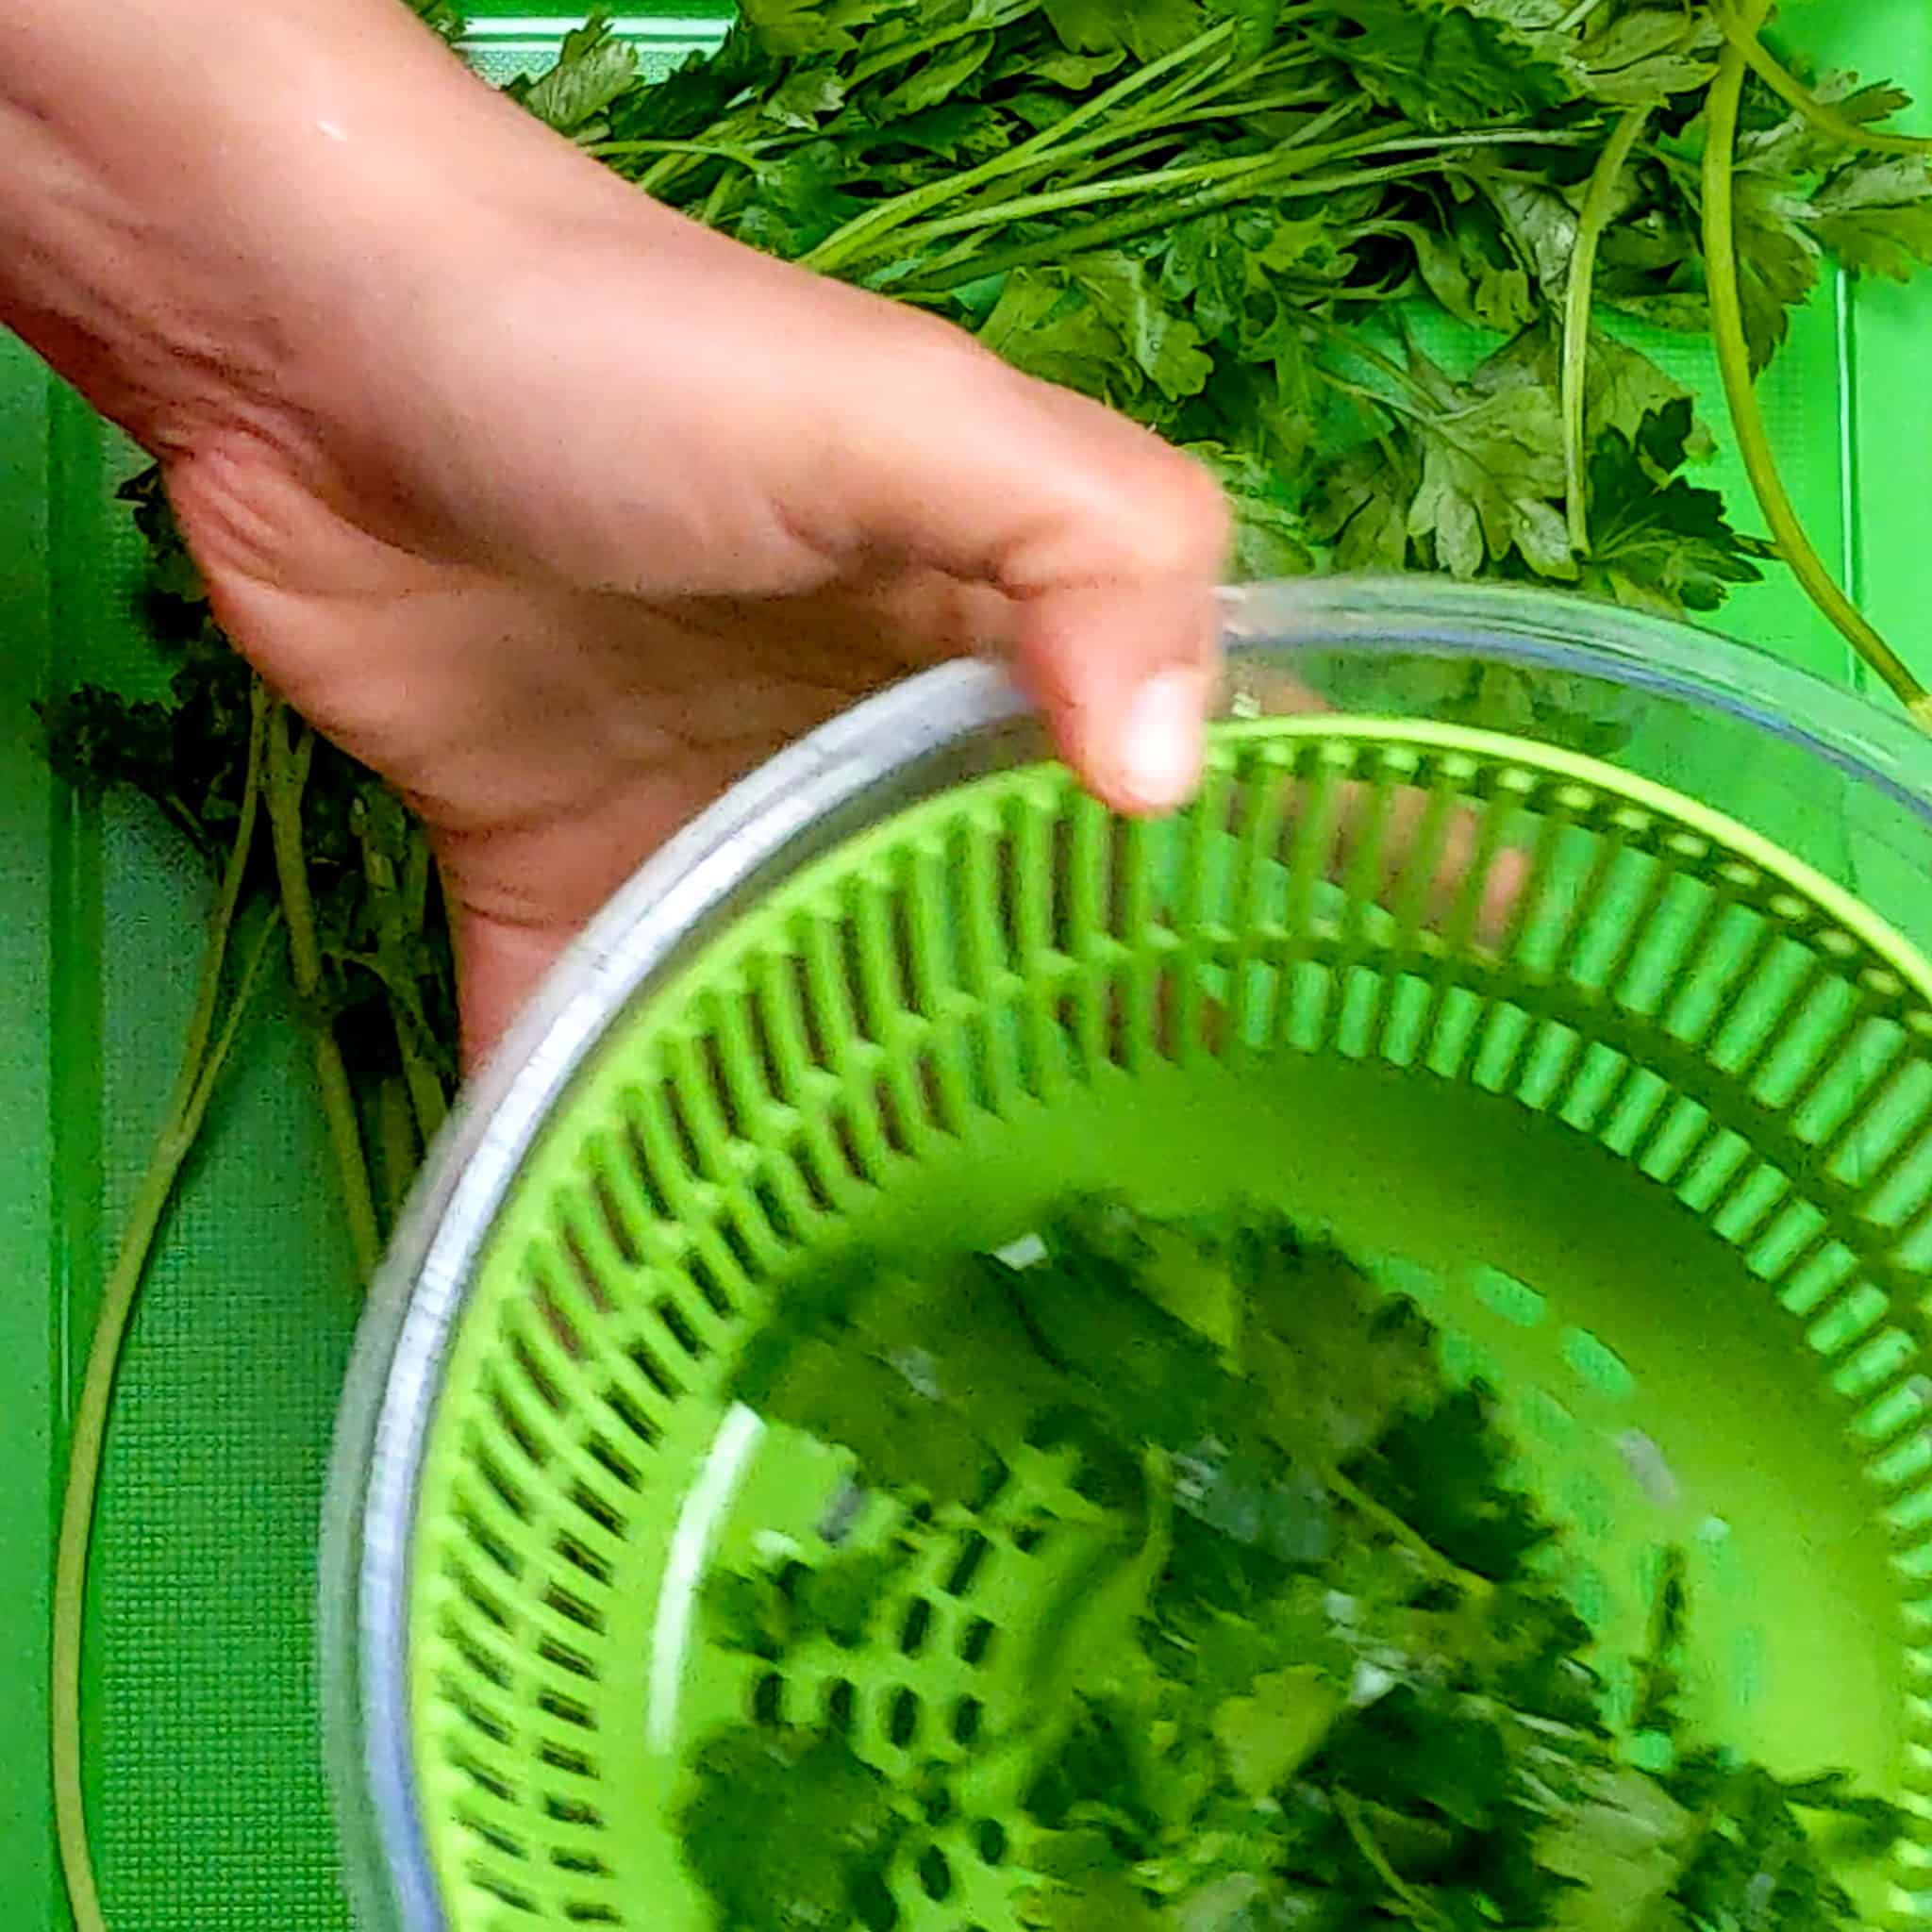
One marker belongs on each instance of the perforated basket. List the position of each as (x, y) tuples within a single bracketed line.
[(1634, 1094)]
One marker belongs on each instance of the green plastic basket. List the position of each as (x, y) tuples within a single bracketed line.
[(1634, 1097)]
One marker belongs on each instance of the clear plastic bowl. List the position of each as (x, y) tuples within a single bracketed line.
[(1841, 787)]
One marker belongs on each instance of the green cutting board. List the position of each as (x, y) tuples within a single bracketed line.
[(206, 1792)]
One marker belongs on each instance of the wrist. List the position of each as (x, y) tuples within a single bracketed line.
[(196, 200)]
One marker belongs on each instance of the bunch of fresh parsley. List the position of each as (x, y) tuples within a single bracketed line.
[(1288, 1659), (1236, 220)]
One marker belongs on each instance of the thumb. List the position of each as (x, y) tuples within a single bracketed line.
[(1110, 545), (1124, 669), (1106, 543)]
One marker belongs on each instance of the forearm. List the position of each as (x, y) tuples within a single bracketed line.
[(191, 190)]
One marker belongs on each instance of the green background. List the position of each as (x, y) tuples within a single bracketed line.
[(208, 1802)]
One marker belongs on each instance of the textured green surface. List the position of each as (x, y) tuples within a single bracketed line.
[(27, 1319), (209, 1802), (1653, 1156)]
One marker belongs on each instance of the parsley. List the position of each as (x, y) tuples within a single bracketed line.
[(327, 846), (1199, 209), (591, 70), (1190, 1727), (828, 1828)]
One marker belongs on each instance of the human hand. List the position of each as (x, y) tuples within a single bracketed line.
[(560, 511)]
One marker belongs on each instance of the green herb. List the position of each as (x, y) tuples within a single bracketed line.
[(1193, 1725), (1752, 267), (1208, 214), (591, 70), (330, 847), (828, 1826)]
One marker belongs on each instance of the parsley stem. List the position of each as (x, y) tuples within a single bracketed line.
[(1444, 1568), (1578, 294), (1216, 85), (1095, 167), (398, 1147), (1821, 114), (1134, 223), (843, 243), (392, 896), (1355, 1821), (747, 156), (1244, 173), (428, 1100), (1734, 364), (1258, 104), (1157, 134), (714, 201), (1246, 168), (290, 749), (1495, 136), (1144, 136), (203, 1054)]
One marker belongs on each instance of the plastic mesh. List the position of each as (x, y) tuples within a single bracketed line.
[(1547, 1000)]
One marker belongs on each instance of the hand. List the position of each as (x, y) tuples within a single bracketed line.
[(561, 513), (619, 520)]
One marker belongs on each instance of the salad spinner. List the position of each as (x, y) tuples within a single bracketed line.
[(1568, 967)]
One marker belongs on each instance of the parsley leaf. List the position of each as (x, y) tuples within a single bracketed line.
[(594, 67), (1474, 469), (1444, 65), (1162, 343), (1145, 28), (1048, 327), (1657, 543), (826, 1828), (1268, 1733), (788, 29), (1753, 1863), (1874, 214)]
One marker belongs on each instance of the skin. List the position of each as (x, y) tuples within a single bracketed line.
[(554, 508)]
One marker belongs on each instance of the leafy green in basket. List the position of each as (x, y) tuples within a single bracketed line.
[(1194, 1724)]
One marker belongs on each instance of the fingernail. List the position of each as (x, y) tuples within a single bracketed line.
[(1160, 741)]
